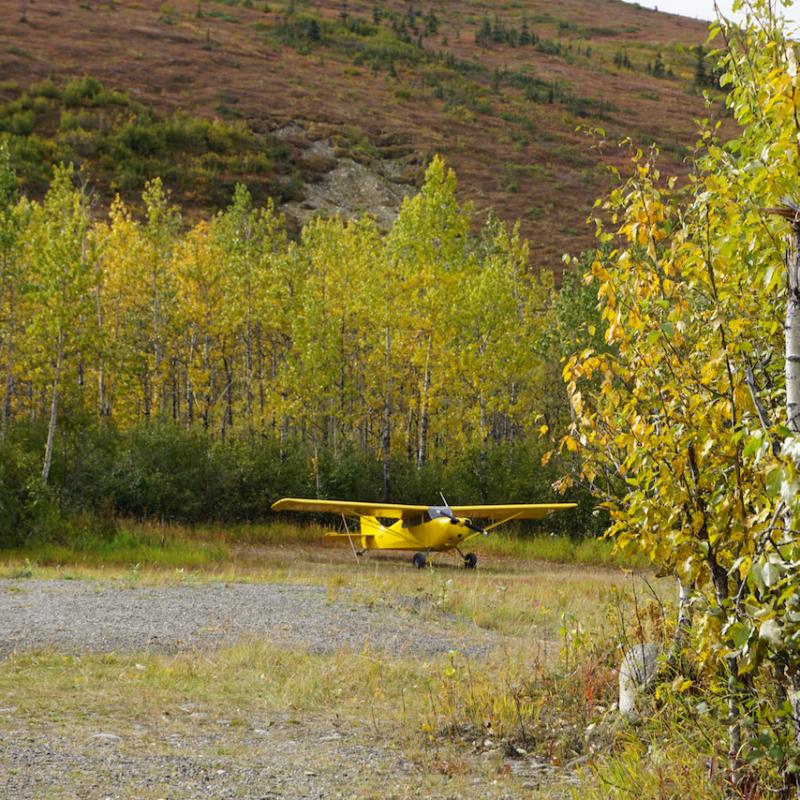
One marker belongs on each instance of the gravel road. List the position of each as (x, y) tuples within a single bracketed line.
[(74, 616), (190, 753)]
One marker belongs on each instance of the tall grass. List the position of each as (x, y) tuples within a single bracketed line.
[(245, 546), (127, 547), (562, 549)]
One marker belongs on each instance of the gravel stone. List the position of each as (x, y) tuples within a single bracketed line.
[(78, 616), (191, 754)]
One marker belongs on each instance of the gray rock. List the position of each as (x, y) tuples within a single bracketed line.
[(636, 673)]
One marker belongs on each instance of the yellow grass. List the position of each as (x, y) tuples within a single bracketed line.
[(548, 676)]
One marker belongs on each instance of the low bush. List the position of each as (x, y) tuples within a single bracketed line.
[(163, 471)]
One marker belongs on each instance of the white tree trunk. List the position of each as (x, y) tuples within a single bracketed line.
[(422, 452), (792, 333), (51, 427), (792, 372), (386, 434)]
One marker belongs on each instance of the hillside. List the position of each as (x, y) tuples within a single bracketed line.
[(339, 105)]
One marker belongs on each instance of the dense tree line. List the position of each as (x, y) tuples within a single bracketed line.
[(395, 353)]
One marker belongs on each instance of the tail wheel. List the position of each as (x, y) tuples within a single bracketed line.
[(470, 561), (419, 560)]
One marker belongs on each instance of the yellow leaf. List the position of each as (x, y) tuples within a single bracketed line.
[(571, 444)]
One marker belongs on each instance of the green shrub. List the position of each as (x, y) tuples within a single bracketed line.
[(45, 89), (161, 470), (20, 123), (80, 89), (140, 137)]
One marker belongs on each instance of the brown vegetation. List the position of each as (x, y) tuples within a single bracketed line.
[(447, 94)]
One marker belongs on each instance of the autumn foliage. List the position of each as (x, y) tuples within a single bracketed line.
[(682, 416), (399, 354)]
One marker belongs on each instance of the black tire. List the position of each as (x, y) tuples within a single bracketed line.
[(470, 561), (419, 560)]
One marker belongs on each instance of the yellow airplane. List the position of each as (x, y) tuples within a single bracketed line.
[(425, 529)]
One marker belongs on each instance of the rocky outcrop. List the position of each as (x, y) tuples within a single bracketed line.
[(336, 184)]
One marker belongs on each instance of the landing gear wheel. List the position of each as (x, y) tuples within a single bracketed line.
[(419, 560), (470, 561)]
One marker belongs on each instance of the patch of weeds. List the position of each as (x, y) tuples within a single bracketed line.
[(167, 14), (567, 154), (25, 570), (223, 15)]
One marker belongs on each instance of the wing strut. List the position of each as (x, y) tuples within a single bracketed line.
[(500, 522), (350, 539)]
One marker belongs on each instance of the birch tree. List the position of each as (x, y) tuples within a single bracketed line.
[(691, 406), (60, 253)]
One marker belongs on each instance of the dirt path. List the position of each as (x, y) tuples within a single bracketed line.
[(201, 757), (189, 752), (76, 616)]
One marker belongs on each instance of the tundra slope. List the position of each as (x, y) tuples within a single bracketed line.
[(393, 82)]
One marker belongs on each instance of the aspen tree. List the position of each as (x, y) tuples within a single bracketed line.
[(61, 275), (158, 234), (249, 241), (13, 213), (199, 295), (428, 249)]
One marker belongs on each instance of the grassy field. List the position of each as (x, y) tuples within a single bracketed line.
[(238, 550), (533, 712)]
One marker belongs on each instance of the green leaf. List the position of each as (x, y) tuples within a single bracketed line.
[(739, 634), (771, 573), (774, 481)]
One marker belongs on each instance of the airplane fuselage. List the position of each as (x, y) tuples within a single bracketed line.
[(416, 527), (440, 533)]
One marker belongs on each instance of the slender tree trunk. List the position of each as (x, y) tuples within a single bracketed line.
[(176, 400), (422, 452), (189, 385), (386, 440), (792, 332), (338, 419), (410, 435), (317, 478), (284, 431), (8, 384), (228, 395), (248, 357), (157, 354), (792, 372), (719, 576), (209, 389), (101, 378), (51, 427), (683, 626)]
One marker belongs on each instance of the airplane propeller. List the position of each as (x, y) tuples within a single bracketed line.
[(473, 527)]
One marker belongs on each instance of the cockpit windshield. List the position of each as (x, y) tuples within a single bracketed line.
[(440, 511), (433, 512)]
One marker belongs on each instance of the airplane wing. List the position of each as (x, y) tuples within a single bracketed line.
[(356, 509), (500, 514)]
